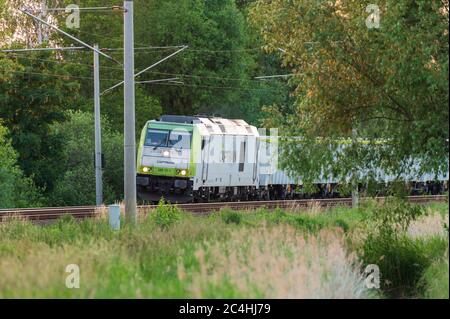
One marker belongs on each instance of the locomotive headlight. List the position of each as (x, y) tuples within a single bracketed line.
[(166, 154), (145, 169), (183, 172)]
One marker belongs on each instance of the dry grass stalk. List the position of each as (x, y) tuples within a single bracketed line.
[(101, 212), (278, 262), (432, 224)]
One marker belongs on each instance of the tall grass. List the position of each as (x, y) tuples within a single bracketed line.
[(279, 254), (436, 279), (135, 262), (432, 224), (275, 262), (403, 240)]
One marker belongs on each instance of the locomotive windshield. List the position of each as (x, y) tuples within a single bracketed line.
[(156, 138), (178, 139)]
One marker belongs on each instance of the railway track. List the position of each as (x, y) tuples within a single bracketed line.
[(48, 213), (79, 212)]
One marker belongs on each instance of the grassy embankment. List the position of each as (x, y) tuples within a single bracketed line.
[(297, 254)]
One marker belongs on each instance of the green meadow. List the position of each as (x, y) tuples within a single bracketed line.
[(300, 253)]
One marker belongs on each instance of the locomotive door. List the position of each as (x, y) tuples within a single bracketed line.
[(206, 142), (256, 160)]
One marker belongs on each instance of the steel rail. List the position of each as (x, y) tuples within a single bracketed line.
[(79, 212)]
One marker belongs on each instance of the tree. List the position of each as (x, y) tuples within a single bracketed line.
[(391, 84), (17, 27), (34, 91), (217, 67), (16, 190), (76, 183), (147, 108)]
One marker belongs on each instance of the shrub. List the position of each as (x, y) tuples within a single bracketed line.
[(394, 216), (401, 262), (74, 182), (16, 189), (230, 216), (400, 258), (166, 214)]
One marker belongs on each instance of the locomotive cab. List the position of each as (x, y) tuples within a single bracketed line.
[(163, 162), (186, 159)]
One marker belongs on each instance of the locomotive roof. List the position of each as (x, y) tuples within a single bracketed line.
[(213, 125), (182, 119)]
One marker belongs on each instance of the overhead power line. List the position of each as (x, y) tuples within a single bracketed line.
[(214, 87), (58, 75), (158, 48), (263, 77), (223, 51), (21, 56), (142, 48), (42, 49), (255, 79), (159, 80), (68, 10), (146, 69), (68, 35)]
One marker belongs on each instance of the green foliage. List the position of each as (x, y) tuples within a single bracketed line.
[(13, 23), (117, 264), (436, 279), (342, 224), (32, 100), (391, 84), (16, 190), (222, 59), (113, 264), (166, 214), (75, 185), (215, 33), (147, 108), (401, 263), (230, 216), (309, 223), (401, 260), (394, 216), (276, 216)]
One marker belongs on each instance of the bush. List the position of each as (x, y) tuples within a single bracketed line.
[(75, 181), (166, 214), (230, 216), (401, 260), (16, 190), (394, 216)]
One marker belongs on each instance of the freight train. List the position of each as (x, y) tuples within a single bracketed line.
[(203, 159)]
